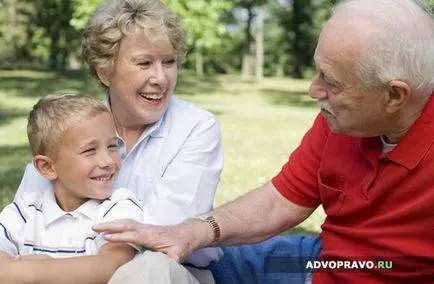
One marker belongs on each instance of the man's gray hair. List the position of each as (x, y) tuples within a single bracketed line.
[(402, 46)]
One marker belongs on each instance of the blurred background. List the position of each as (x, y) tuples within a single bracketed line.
[(251, 37), (248, 61)]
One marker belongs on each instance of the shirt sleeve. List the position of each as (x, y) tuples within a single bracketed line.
[(298, 179), (12, 221), (121, 205), (188, 184)]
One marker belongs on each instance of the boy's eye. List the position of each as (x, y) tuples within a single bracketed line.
[(113, 146), (88, 151)]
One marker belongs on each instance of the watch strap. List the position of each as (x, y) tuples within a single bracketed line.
[(210, 220)]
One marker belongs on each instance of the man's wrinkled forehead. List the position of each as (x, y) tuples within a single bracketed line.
[(343, 35)]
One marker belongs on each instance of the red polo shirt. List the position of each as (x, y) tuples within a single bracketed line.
[(379, 207)]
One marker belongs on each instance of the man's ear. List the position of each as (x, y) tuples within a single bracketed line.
[(398, 95), (45, 167), (103, 76)]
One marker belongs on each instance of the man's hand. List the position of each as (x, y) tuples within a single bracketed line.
[(175, 241)]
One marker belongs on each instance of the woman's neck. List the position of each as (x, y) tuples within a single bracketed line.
[(129, 133)]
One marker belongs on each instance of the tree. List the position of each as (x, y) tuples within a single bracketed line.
[(276, 48), (203, 25), (83, 10), (249, 59), (51, 30), (14, 22)]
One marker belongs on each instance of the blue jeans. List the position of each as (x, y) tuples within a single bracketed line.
[(281, 259)]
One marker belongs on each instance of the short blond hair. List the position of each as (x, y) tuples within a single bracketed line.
[(115, 19), (52, 115)]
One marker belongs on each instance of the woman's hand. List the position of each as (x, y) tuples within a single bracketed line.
[(175, 241)]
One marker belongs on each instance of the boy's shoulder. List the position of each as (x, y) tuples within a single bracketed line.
[(120, 194), (121, 204), (26, 200)]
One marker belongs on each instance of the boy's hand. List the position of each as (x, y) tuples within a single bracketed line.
[(32, 256), (5, 255), (6, 273)]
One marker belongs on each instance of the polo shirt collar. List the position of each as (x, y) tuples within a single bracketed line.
[(51, 210), (417, 141)]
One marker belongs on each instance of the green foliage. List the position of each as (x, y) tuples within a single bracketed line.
[(83, 9), (14, 22), (201, 19), (202, 22), (53, 18), (40, 43)]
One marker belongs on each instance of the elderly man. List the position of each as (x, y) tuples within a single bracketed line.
[(368, 159)]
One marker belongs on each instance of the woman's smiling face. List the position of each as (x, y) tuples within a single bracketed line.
[(142, 81)]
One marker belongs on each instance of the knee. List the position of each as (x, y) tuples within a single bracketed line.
[(158, 259), (148, 267)]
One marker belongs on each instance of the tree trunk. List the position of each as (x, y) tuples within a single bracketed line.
[(296, 52), (280, 71), (260, 44), (247, 69), (199, 62)]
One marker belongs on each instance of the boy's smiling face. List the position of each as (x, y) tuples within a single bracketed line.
[(87, 162)]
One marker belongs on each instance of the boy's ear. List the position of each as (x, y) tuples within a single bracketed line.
[(45, 167), (103, 76)]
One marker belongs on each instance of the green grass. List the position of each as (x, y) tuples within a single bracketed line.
[(261, 124)]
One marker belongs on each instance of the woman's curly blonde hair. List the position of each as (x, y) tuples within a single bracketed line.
[(115, 19)]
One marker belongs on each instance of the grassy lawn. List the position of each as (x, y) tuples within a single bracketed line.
[(261, 124)]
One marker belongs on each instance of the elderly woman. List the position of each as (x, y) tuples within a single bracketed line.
[(171, 152)]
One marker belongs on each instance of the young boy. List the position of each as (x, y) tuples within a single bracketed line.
[(74, 145)]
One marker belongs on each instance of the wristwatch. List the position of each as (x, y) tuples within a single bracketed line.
[(213, 224)]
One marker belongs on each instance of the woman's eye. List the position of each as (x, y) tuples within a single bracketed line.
[(145, 63), (169, 61)]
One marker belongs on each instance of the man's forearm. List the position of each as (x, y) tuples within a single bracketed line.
[(254, 217)]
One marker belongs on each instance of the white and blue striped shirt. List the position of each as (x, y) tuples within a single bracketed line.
[(35, 224)]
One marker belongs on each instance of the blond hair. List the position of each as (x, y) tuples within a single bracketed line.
[(52, 115), (115, 19)]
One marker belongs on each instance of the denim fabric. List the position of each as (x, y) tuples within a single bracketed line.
[(278, 260)]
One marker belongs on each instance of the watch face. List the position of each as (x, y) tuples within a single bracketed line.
[(202, 217)]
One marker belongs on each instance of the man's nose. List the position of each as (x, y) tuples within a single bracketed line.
[(316, 91)]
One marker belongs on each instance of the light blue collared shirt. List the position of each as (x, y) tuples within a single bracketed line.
[(173, 169)]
